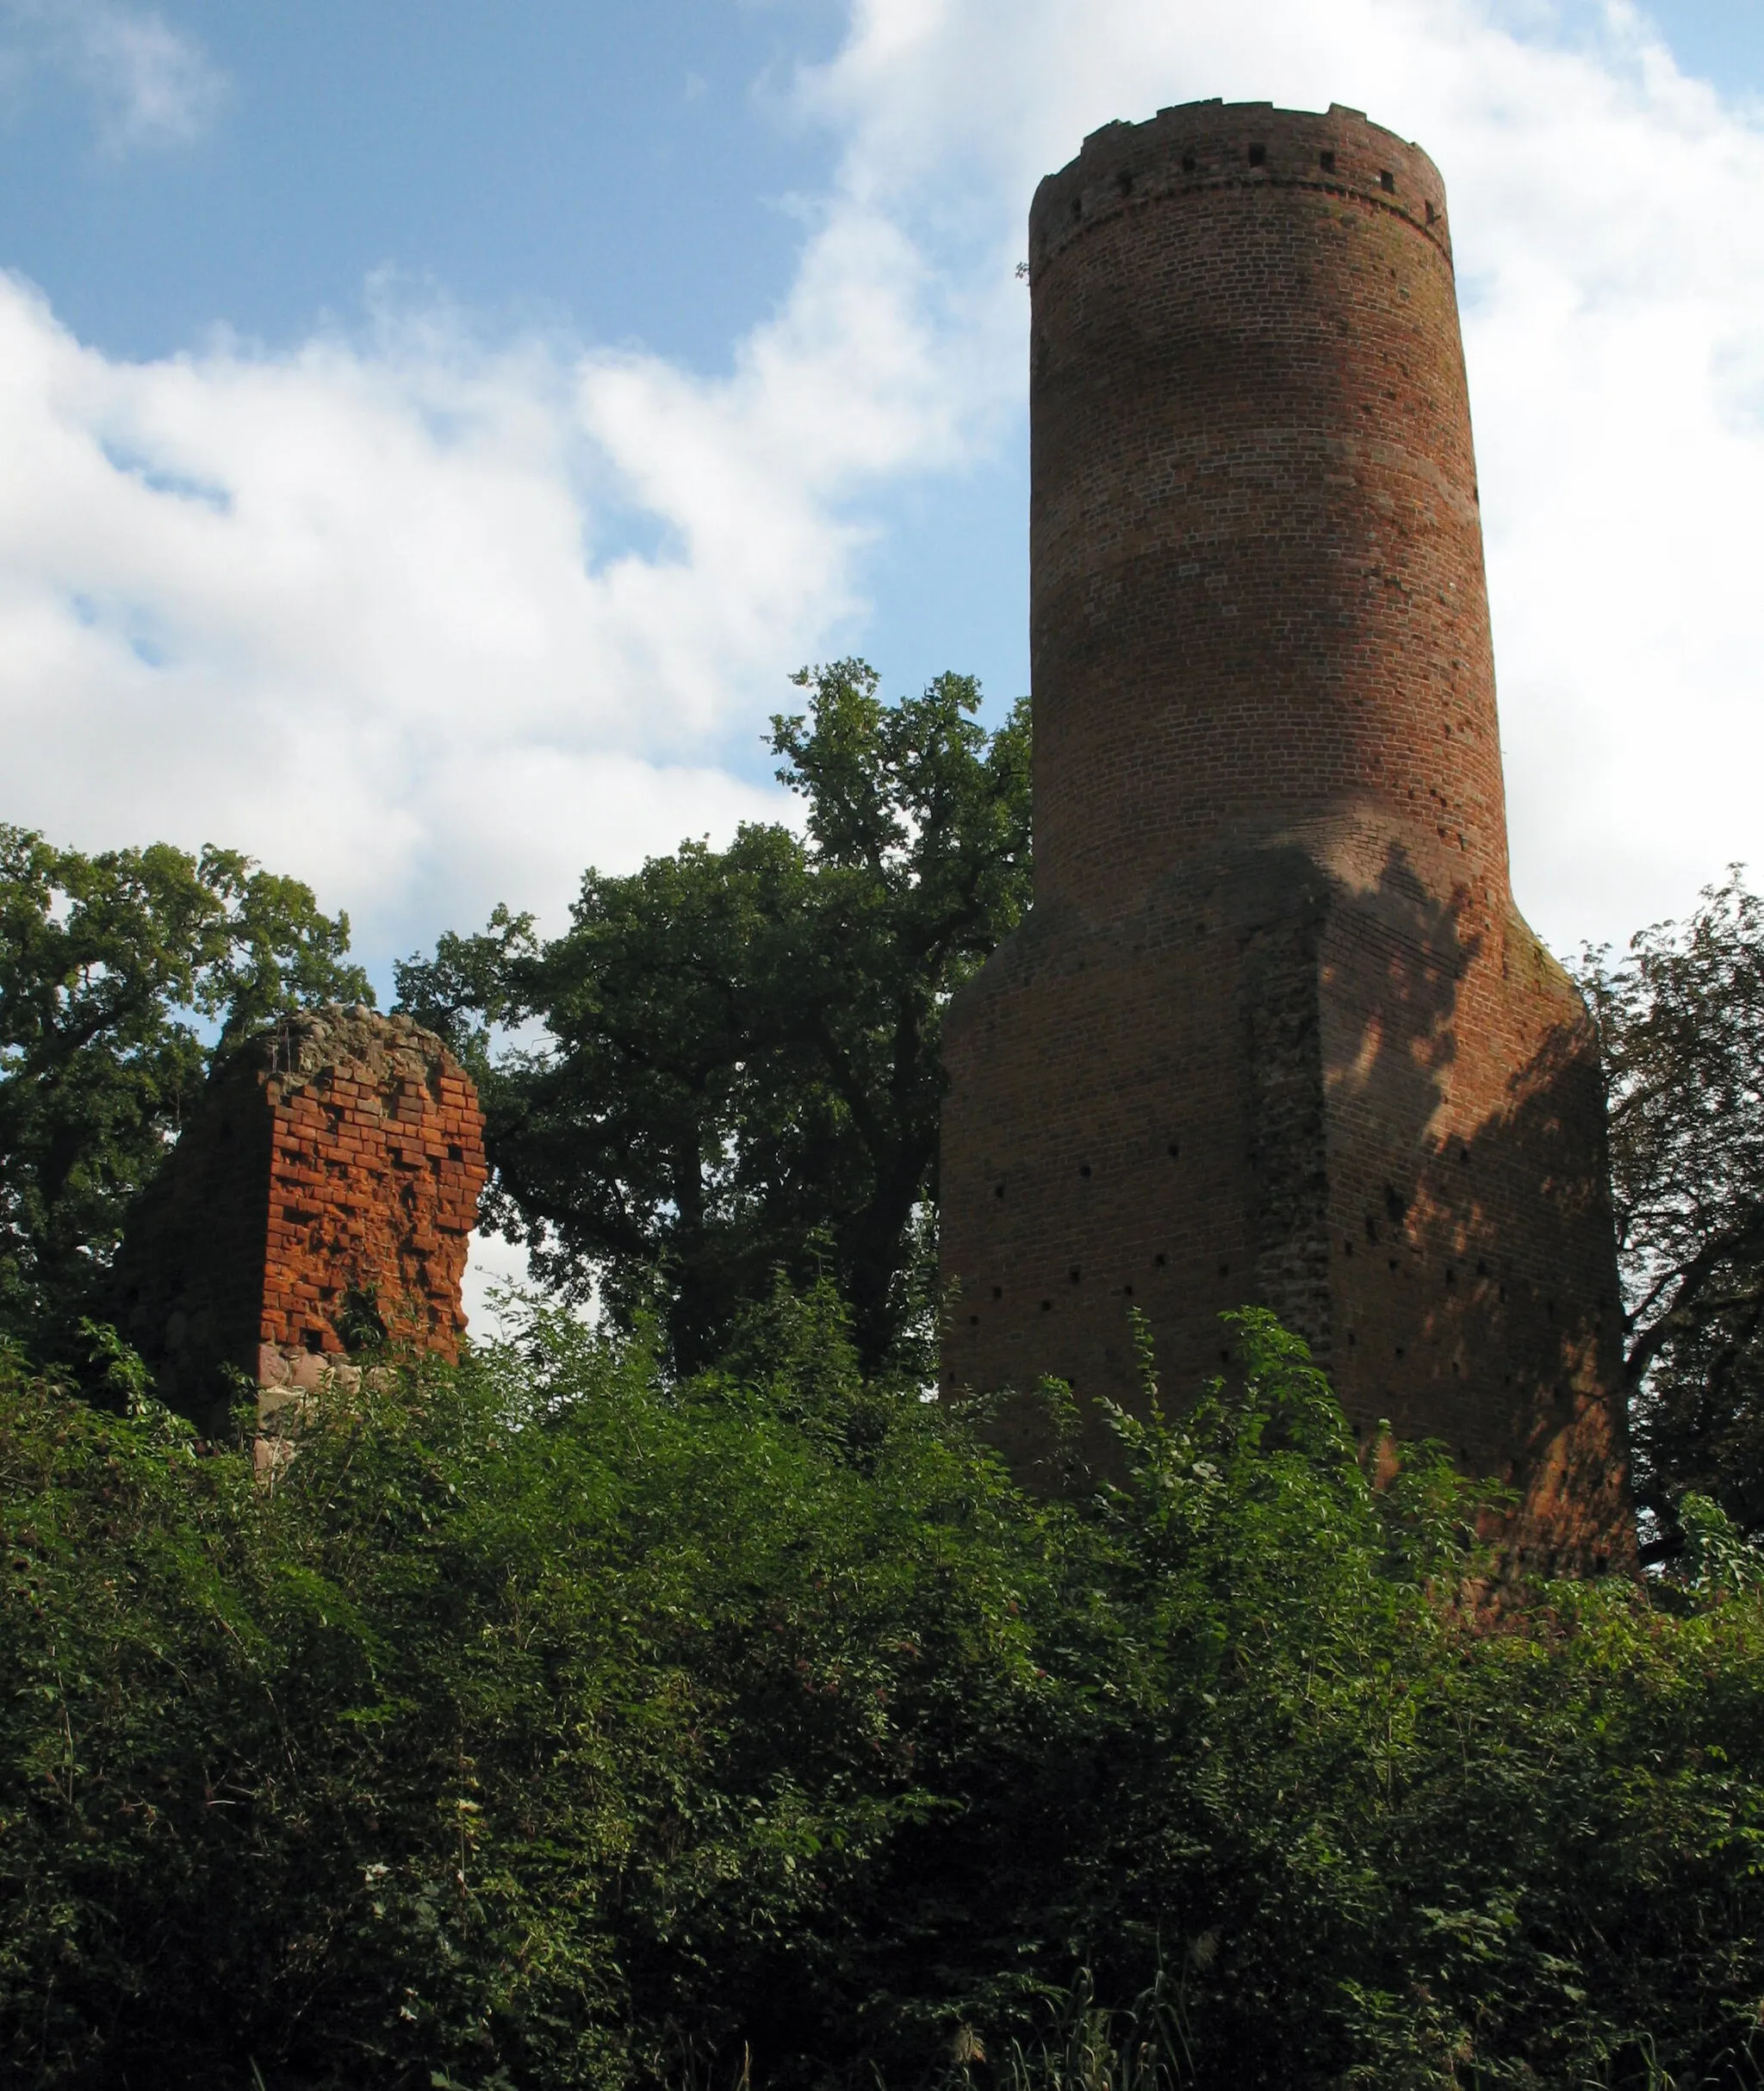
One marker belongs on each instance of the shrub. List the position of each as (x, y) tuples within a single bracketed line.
[(550, 1723)]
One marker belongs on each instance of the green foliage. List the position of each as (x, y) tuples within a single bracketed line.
[(1680, 1020), (117, 973), (552, 1722), (743, 1070)]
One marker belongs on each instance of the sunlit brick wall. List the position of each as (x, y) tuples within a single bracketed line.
[(329, 1185)]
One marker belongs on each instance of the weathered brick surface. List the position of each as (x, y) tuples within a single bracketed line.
[(335, 1167), (1275, 1031)]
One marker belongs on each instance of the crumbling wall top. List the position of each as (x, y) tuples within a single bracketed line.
[(335, 1035)]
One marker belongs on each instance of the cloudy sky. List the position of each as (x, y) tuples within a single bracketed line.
[(431, 431)]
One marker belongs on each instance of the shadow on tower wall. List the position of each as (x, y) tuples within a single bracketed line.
[(1407, 1137), (1473, 1295)]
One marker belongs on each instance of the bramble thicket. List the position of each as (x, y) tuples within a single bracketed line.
[(553, 1722)]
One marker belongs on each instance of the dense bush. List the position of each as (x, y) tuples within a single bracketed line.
[(550, 1724)]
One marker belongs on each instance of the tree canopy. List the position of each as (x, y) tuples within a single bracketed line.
[(740, 1072), (1681, 1017), (120, 974)]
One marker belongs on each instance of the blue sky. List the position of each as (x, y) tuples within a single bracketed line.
[(623, 171), (430, 433)]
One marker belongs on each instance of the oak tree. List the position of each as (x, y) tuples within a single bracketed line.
[(740, 1070), (1680, 1018)]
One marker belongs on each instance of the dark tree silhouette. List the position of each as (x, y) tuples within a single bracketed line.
[(742, 1073), (1681, 1017)]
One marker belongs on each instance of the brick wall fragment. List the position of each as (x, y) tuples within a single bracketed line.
[(322, 1198)]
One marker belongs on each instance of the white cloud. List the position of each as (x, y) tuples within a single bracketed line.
[(346, 605), (155, 87), (151, 86)]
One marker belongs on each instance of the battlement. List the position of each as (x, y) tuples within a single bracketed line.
[(1198, 146)]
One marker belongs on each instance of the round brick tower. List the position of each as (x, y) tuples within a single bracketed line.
[(1274, 1031)]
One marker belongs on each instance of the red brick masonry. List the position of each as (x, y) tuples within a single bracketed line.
[(1274, 1030), (331, 1180)]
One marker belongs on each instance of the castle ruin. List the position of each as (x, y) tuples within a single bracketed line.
[(320, 1200), (1275, 1031)]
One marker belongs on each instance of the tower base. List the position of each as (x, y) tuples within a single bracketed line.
[(1314, 1075)]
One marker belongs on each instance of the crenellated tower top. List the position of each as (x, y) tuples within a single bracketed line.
[(1195, 147)]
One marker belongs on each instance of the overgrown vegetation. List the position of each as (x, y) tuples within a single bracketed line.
[(553, 1723), (691, 1704)]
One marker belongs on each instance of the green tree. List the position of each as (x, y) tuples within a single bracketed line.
[(1680, 1018), (741, 1071), (120, 974)]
